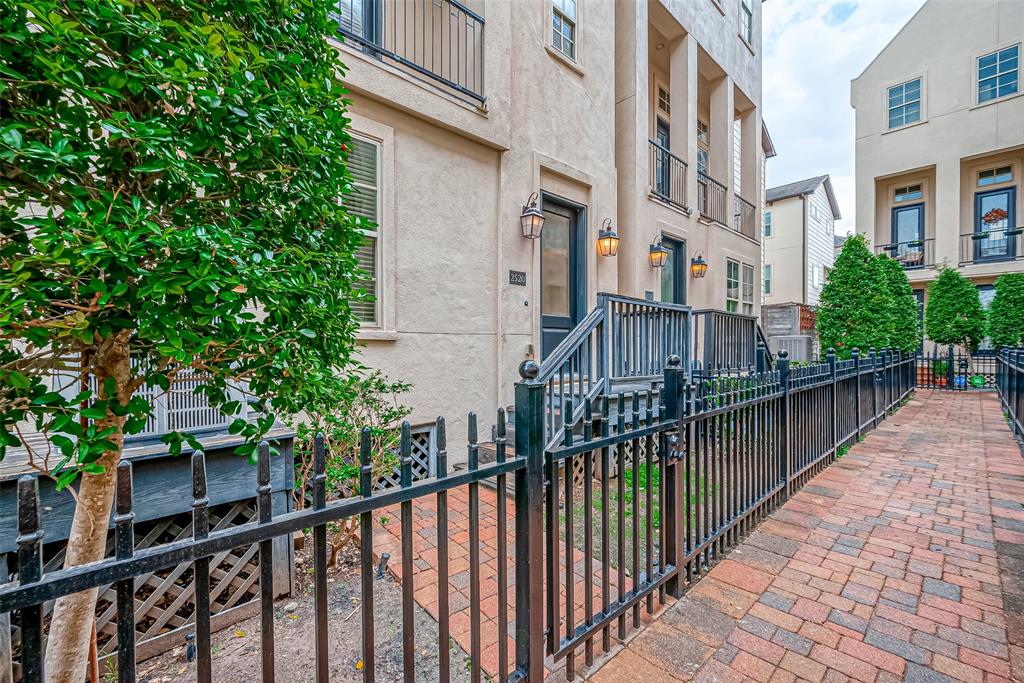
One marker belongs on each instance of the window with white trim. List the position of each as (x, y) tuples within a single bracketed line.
[(767, 278), (732, 285), (748, 289), (664, 102), (908, 193), (767, 223), (703, 145), (905, 103), (364, 202), (746, 21), (999, 73), (563, 27)]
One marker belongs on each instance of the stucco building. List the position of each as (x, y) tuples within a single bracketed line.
[(940, 143), (799, 240), (639, 116)]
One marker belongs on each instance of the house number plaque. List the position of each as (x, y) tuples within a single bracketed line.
[(517, 277)]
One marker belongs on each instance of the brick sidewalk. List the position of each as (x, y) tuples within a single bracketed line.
[(902, 561)]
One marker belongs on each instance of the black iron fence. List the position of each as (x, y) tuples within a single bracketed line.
[(744, 220), (668, 175), (954, 370), (626, 510), (912, 254), (992, 246), (1010, 385), (711, 199), (440, 39), (724, 340)]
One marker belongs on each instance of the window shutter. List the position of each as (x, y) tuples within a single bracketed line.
[(362, 201)]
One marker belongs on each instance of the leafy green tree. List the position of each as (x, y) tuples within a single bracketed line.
[(855, 307), (953, 314), (170, 183), (1006, 314), (904, 326)]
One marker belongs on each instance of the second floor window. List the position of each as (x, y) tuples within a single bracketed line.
[(746, 21), (563, 27), (703, 143), (908, 193), (905, 103), (995, 176), (998, 74), (364, 203)]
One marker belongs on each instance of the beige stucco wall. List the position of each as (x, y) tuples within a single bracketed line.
[(456, 175), (956, 136), (785, 251)]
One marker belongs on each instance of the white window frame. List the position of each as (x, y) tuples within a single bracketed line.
[(994, 170), (729, 298), (369, 130), (998, 74), (768, 278), (904, 103), (375, 231), (746, 30), (704, 145), (906, 190), (747, 287), (768, 223), (559, 13)]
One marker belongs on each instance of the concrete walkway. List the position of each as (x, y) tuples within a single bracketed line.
[(902, 561)]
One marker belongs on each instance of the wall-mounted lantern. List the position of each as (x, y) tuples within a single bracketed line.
[(659, 254), (532, 218), (698, 266), (607, 240)]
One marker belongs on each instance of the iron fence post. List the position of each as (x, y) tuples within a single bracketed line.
[(1014, 371), (784, 435), (856, 394), (830, 358), (873, 360), (761, 351), (674, 499), (529, 499), (950, 370)]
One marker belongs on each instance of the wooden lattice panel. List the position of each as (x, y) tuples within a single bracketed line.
[(164, 599), (423, 460)]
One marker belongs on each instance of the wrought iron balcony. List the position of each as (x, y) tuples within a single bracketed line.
[(744, 218), (668, 175), (711, 198), (911, 254), (440, 39), (992, 246)]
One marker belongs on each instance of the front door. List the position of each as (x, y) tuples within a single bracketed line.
[(562, 270), (673, 274), (993, 217)]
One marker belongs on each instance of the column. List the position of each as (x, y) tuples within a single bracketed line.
[(720, 160), (683, 102)]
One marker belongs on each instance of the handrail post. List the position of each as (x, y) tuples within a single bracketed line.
[(675, 502), (784, 417), (830, 358), (603, 341), (529, 498)]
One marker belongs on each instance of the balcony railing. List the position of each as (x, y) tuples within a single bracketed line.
[(440, 39), (912, 254), (744, 218), (711, 198), (992, 246), (668, 175)]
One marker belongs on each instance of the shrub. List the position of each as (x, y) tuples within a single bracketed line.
[(1006, 314), (953, 314), (904, 323), (856, 307), (170, 204)]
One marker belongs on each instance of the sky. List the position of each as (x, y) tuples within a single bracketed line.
[(813, 49)]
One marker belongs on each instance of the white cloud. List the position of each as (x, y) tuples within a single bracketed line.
[(813, 48)]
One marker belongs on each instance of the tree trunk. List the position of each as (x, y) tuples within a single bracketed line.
[(67, 650)]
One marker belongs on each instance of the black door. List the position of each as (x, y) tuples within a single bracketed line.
[(562, 270), (663, 179), (673, 274), (993, 218), (908, 235)]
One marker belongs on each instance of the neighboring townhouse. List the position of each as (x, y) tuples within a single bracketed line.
[(799, 240), (940, 143), (638, 117)]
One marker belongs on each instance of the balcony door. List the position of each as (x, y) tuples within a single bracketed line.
[(663, 180), (908, 235), (993, 219), (563, 270)]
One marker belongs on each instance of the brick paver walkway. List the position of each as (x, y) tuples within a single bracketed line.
[(904, 560)]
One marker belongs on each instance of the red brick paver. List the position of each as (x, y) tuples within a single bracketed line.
[(904, 560)]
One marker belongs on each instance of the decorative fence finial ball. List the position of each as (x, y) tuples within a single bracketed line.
[(529, 369), (783, 354), (831, 350), (674, 361)]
